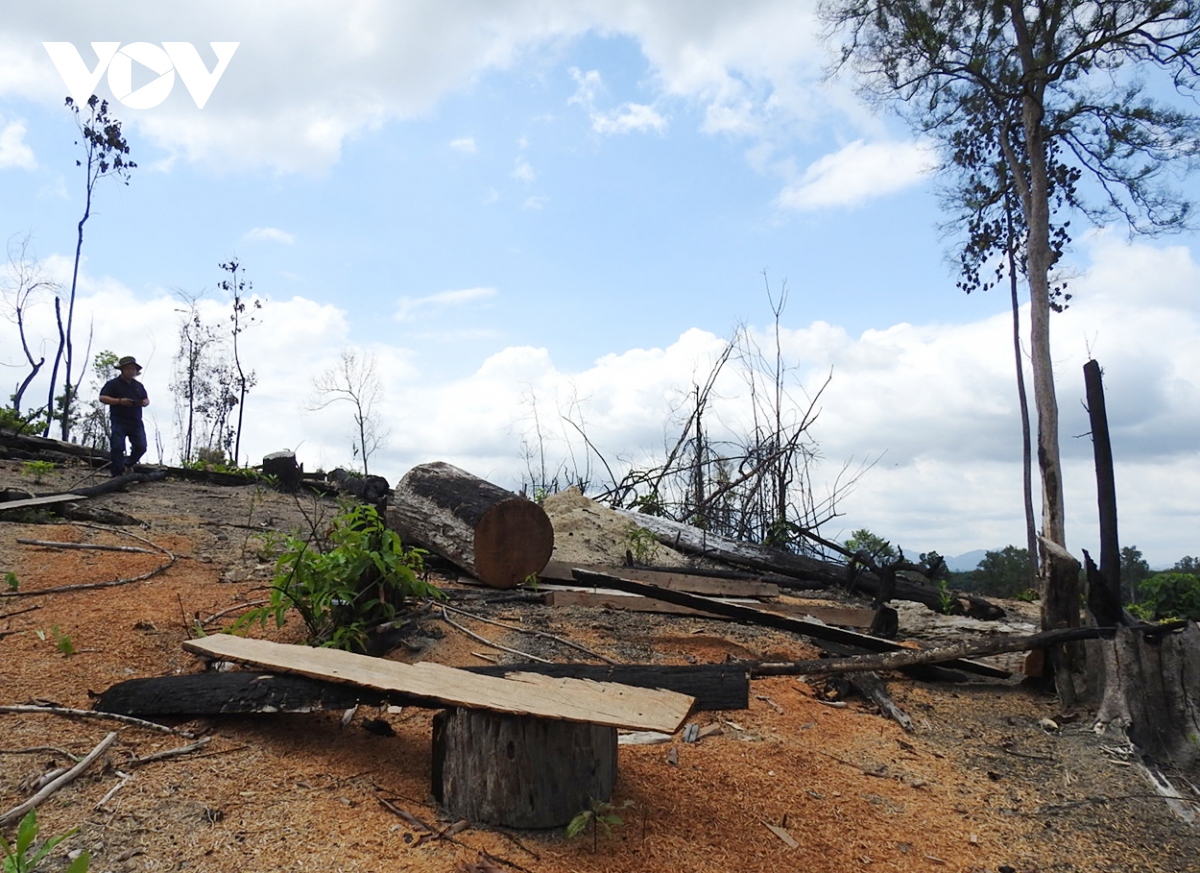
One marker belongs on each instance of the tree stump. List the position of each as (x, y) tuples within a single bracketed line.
[(1152, 690), (283, 466), (520, 771), (494, 535)]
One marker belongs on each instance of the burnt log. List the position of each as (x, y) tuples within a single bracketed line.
[(520, 771), (210, 693), (492, 534), (715, 687)]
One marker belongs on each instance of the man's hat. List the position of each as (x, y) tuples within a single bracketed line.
[(128, 359)]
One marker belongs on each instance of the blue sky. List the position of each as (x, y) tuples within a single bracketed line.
[(528, 203)]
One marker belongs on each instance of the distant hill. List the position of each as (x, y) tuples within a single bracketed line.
[(965, 561)]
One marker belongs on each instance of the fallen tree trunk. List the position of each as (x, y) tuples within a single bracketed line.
[(815, 573), (748, 615), (948, 655), (492, 534)]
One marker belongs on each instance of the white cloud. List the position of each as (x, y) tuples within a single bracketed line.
[(410, 308), (859, 172), (269, 234), (301, 85), (464, 144), (628, 118), (13, 150), (523, 172), (536, 202)]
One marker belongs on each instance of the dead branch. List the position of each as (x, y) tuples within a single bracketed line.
[(20, 611), (51, 544), (233, 608), (108, 795), (535, 633), (169, 753), (913, 657), (488, 642), (89, 713), (84, 586), (66, 778)]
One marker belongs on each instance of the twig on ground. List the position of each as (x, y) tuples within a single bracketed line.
[(488, 642), (52, 544), (878, 773), (20, 809), (36, 750), (169, 753), (91, 713), (16, 612), (108, 795), (233, 608), (532, 632)]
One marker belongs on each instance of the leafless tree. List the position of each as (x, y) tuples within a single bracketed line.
[(354, 379), (23, 286)]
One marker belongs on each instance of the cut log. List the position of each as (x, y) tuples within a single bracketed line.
[(520, 693), (748, 615), (518, 771), (809, 572), (492, 534)]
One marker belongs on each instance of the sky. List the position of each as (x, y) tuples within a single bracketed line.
[(530, 210)]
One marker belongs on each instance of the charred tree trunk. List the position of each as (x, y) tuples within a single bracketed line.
[(520, 771), (494, 535)]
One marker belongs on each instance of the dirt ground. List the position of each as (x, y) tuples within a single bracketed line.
[(985, 783)]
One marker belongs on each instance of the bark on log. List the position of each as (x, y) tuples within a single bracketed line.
[(518, 771), (817, 573), (492, 534)]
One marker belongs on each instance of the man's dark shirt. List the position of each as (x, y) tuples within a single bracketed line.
[(134, 390)]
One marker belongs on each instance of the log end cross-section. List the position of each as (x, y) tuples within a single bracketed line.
[(494, 535)]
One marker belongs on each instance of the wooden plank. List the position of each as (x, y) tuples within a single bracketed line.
[(40, 501), (579, 700), (557, 571)]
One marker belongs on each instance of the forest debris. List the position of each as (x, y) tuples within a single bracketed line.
[(65, 779), (53, 544), (783, 835), (769, 702), (89, 713), (643, 738)]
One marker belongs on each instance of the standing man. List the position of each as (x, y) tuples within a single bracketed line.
[(125, 396)]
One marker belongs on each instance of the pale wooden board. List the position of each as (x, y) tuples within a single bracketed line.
[(40, 501), (580, 700), (706, 585)]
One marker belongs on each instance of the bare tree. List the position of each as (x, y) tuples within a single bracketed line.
[(104, 155), (241, 317), (354, 379), (21, 289)]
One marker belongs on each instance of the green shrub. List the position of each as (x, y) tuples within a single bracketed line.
[(1170, 595), (356, 581)]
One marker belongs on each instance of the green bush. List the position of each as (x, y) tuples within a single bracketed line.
[(1170, 595), (346, 586)]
